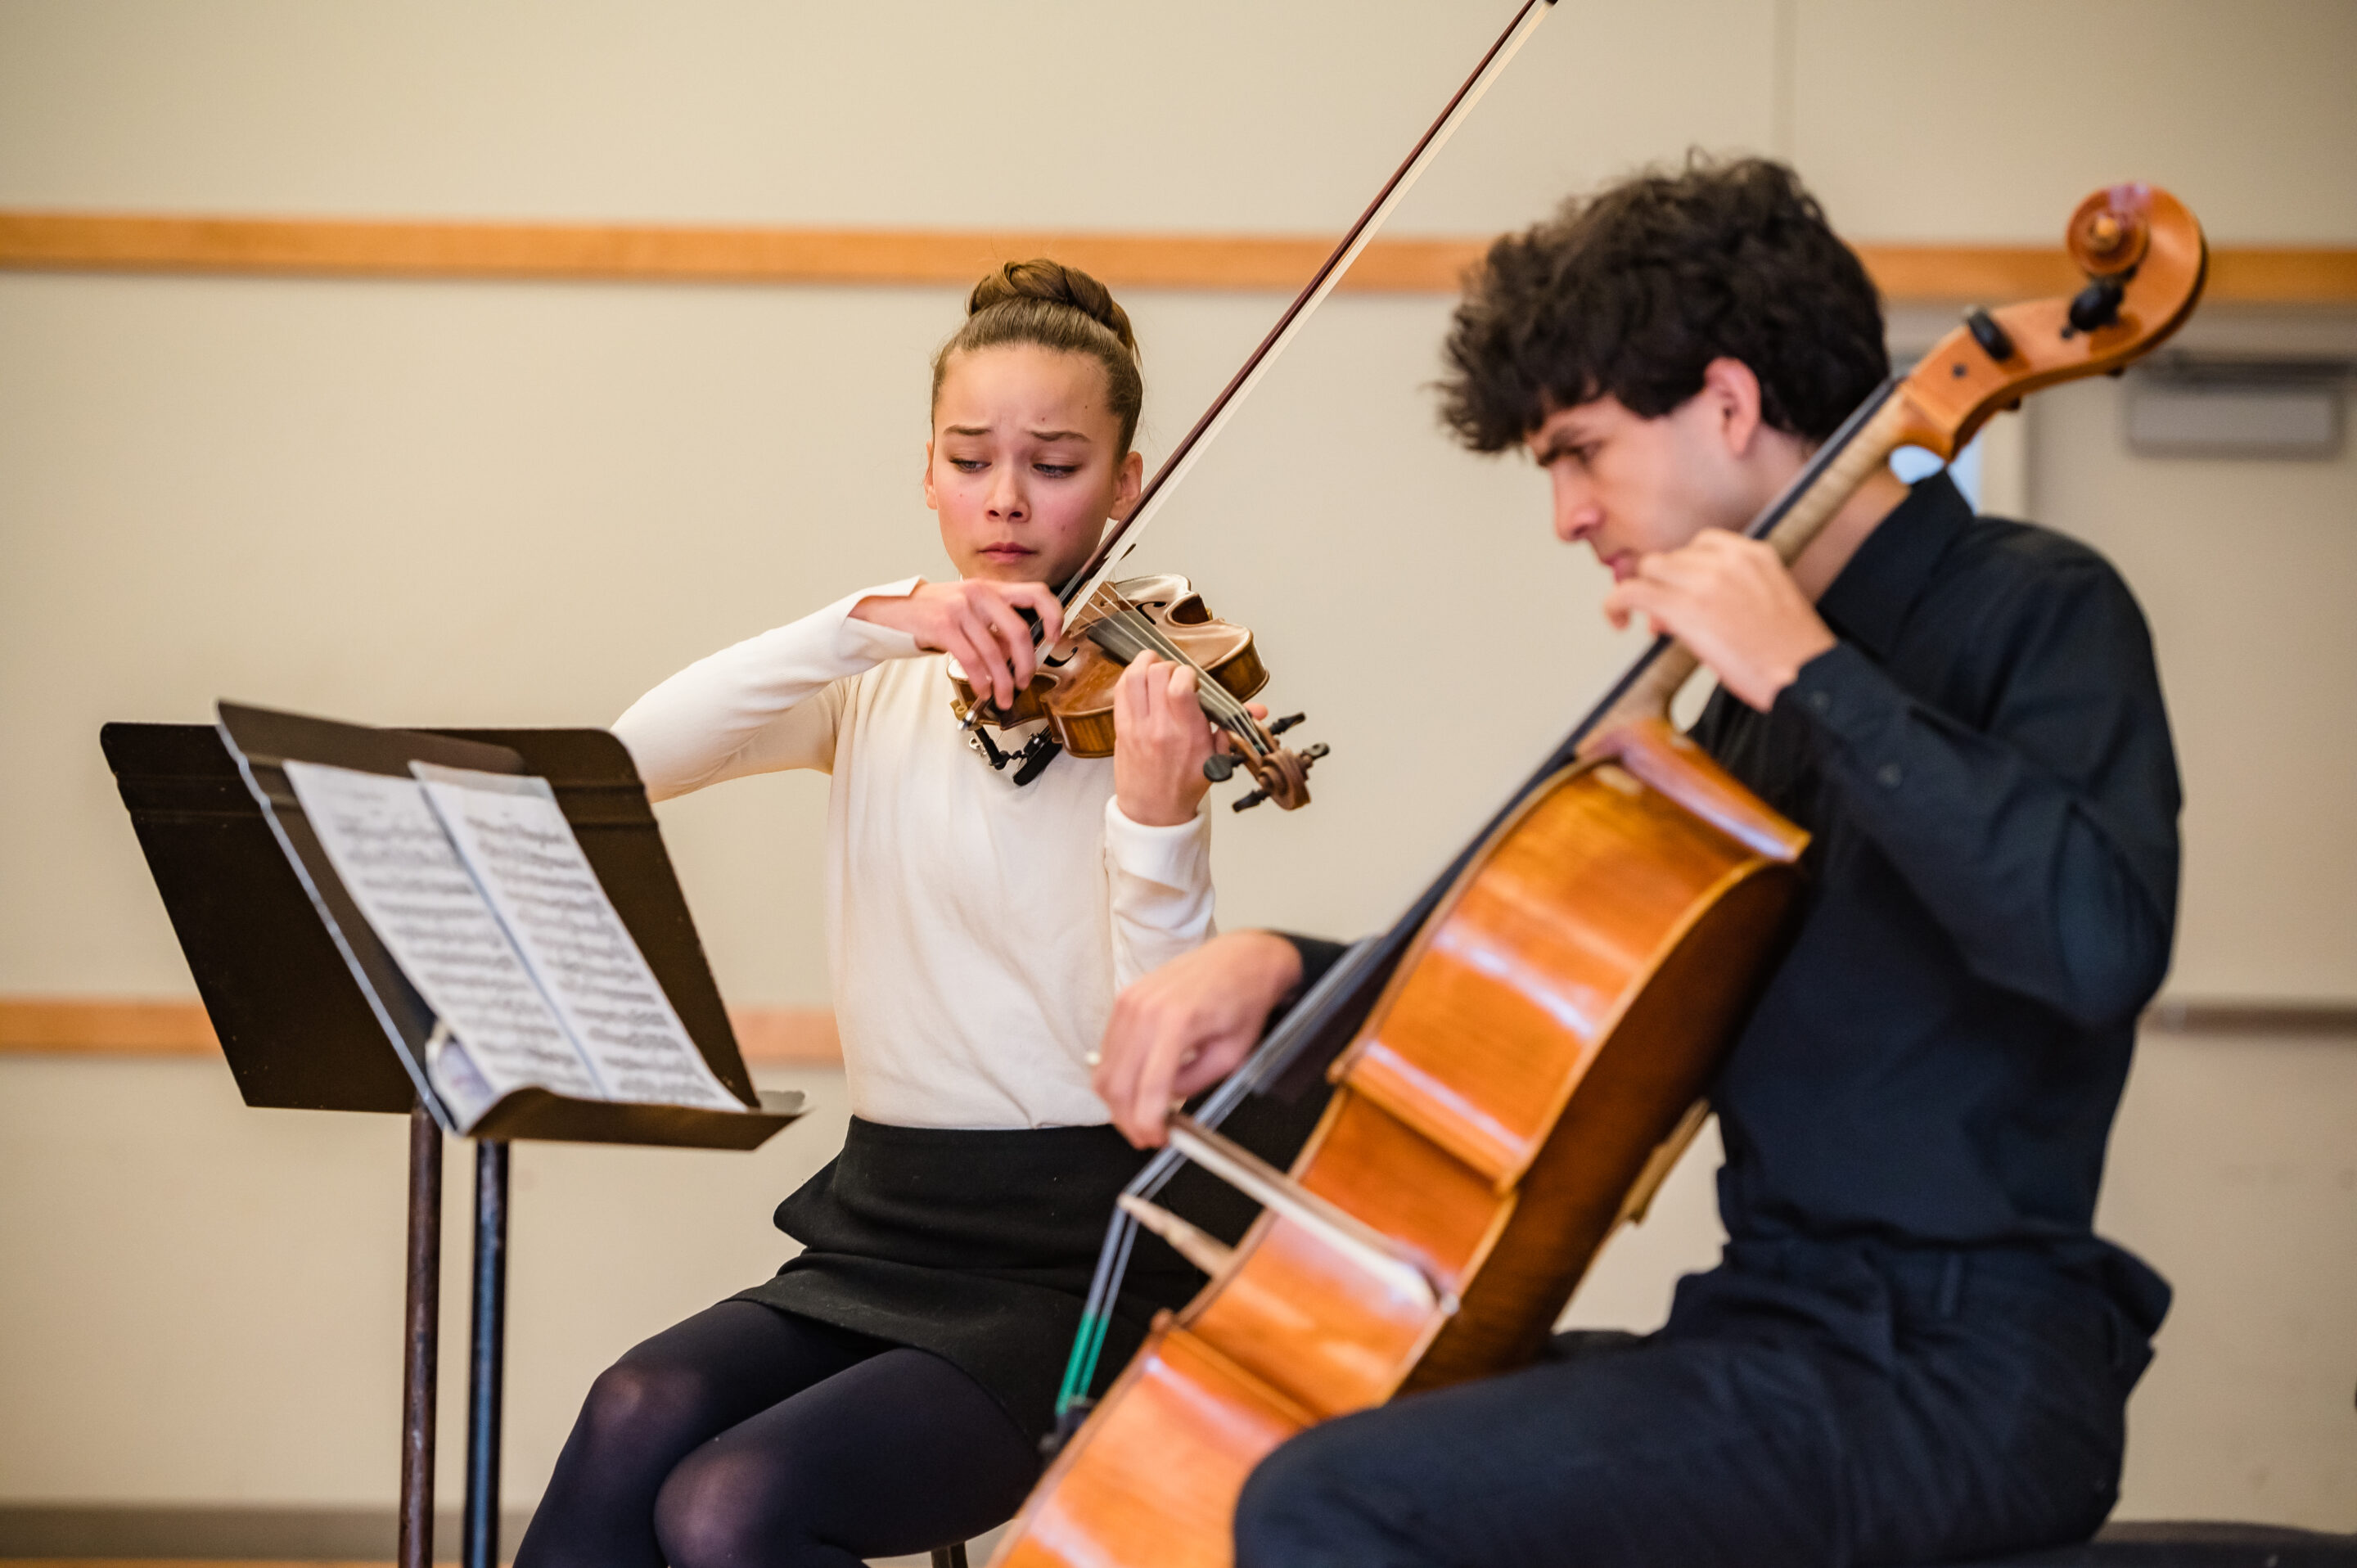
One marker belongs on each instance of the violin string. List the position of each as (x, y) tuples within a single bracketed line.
[(1220, 704), (1215, 697)]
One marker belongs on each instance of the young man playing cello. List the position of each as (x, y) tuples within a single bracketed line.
[(1914, 1349)]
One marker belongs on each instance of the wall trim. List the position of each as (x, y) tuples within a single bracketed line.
[(805, 1036), (135, 1026), (313, 247)]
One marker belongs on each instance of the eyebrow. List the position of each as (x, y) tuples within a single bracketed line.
[(1035, 435), (1558, 445)]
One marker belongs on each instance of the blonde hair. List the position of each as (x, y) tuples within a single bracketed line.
[(1054, 307)]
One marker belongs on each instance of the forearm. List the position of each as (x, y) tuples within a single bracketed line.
[(748, 708)]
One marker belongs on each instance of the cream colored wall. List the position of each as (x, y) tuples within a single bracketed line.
[(406, 503)]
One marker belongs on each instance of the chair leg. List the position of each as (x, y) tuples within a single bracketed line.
[(951, 1556)]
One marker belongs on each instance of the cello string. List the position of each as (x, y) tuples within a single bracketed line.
[(1370, 962), (1084, 582)]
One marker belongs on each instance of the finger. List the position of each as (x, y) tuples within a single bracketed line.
[(1181, 688), (959, 648), (979, 654), (1130, 711), (991, 659), (1141, 1104), (1015, 636), (1117, 1073), (1157, 1086), (1150, 691), (1041, 601)]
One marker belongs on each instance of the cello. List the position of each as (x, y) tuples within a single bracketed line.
[(1518, 1062)]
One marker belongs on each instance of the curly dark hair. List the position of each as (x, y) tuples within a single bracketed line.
[(1632, 292)]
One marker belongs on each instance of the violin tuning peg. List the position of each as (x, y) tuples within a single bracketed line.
[(1246, 803), (1278, 726), (1313, 753), (1218, 768)]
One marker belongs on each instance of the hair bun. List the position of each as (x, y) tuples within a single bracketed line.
[(1053, 282)]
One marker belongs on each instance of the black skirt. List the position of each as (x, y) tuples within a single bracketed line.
[(979, 1246)]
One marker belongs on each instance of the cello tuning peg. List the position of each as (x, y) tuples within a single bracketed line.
[(1246, 803), (1218, 768), (1278, 726), (1992, 337), (2098, 305)]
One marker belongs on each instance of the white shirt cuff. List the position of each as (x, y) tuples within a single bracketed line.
[(1173, 856)]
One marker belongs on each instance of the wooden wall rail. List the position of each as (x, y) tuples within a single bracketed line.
[(805, 1036), (78, 241), (107, 1026)]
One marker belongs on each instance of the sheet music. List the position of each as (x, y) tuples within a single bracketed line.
[(391, 852), (514, 840)]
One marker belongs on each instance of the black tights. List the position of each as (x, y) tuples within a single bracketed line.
[(750, 1437)]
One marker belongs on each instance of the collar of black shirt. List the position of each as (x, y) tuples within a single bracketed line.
[(1869, 602)]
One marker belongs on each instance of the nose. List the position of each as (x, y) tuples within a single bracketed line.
[(1577, 515), (1006, 500)]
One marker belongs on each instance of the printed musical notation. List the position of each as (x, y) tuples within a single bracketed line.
[(513, 837), (483, 897)]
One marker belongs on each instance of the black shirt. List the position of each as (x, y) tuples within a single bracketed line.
[(1984, 764)]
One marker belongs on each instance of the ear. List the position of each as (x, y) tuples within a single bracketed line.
[(1732, 394), (933, 500), (1128, 486)]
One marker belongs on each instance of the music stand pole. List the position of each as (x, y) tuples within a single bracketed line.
[(480, 1546), (423, 1325)]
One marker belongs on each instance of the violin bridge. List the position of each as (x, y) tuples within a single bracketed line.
[(1339, 1229), (1197, 1246)]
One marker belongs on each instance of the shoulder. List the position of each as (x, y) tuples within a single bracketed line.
[(2002, 550), (2021, 572), (2034, 616)]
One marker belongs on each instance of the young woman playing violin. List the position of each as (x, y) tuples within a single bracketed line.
[(1915, 1348), (886, 1392)]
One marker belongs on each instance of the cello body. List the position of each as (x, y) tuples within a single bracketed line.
[(1557, 1017)]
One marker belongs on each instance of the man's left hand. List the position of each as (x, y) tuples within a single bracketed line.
[(1732, 602)]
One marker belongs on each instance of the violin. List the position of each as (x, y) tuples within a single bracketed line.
[(1072, 687), (1519, 1061)]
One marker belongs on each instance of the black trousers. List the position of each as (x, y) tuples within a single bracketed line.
[(1807, 1404)]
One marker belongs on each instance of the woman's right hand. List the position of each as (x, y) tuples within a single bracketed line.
[(975, 622)]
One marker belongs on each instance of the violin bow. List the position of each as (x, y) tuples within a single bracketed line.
[(1081, 1372), (1125, 535)]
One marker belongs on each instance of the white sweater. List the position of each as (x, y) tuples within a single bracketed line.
[(976, 933)]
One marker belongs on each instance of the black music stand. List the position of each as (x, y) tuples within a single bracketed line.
[(306, 1002)]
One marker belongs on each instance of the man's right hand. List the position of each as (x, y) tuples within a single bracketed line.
[(975, 622), (1186, 1026)]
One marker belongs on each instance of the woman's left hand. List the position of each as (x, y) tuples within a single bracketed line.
[(1160, 739)]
